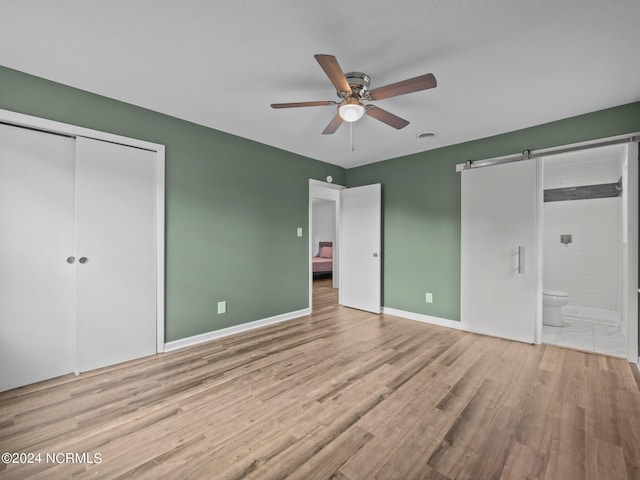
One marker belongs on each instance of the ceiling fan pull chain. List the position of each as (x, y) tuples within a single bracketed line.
[(353, 148)]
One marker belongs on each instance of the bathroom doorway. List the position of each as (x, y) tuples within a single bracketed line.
[(585, 256)]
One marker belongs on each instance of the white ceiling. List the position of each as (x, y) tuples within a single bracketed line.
[(501, 65)]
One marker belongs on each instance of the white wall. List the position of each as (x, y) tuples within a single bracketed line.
[(588, 268), (590, 167), (323, 223)]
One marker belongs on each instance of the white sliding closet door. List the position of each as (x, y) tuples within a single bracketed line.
[(37, 336), (116, 234)]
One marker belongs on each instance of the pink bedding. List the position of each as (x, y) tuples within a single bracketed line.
[(322, 264)]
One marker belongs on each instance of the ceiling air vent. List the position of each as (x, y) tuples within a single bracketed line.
[(426, 135)]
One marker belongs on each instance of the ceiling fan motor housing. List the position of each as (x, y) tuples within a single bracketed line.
[(359, 83)]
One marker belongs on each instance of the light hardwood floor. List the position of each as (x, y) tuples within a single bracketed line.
[(341, 394)]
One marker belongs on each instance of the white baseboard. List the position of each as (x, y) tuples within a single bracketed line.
[(419, 317), (225, 332), (443, 322)]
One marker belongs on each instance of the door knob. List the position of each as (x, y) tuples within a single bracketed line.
[(71, 259), (83, 260), (375, 254)]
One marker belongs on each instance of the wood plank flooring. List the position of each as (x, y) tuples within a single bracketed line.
[(341, 394)]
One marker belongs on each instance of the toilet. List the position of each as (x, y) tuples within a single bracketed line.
[(552, 300)]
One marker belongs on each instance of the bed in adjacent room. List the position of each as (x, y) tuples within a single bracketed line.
[(322, 263)]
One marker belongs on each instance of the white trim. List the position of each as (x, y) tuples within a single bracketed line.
[(160, 212), (632, 248), (419, 317), (320, 183), (310, 254), (51, 126), (225, 332), (440, 322)]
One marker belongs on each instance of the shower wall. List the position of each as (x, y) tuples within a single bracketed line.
[(590, 267)]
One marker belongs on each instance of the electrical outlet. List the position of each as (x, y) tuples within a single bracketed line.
[(299, 231), (222, 307), (429, 297)]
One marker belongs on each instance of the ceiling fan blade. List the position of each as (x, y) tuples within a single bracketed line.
[(416, 84), (302, 104), (386, 117), (331, 67), (333, 125)]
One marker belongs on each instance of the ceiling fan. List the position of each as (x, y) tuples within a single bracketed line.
[(353, 89)]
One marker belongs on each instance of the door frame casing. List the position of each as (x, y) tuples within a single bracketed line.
[(316, 190), (54, 127)]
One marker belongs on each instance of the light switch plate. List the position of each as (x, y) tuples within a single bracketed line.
[(222, 307), (299, 231)]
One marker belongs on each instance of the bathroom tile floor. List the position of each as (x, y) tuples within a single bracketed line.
[(592, 337)]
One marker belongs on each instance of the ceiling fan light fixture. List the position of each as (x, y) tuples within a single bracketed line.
[(351, 110)]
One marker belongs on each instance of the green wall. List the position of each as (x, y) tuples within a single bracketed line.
[(421, 206), (232, 207)]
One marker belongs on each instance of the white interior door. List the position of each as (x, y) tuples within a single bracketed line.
[(498, 271), (360, 247), (37, 339), (116, 235)]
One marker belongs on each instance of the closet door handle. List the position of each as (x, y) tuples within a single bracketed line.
[(83, 260), (520, 260), (71, 259)]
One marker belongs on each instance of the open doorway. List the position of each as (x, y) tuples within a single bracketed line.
[(324, 243), (323, 237), (585, 250), (486, 249)]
